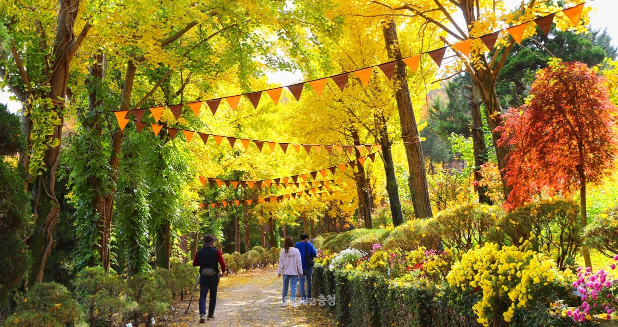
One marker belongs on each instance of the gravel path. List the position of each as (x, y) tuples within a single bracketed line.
[(252, 299)]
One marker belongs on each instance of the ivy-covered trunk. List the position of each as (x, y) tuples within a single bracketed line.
[(164, 245), (479, 148), (362, 185), (389, 169)]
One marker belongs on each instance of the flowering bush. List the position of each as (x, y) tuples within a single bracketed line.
[(599, 294), (431, 264), (510, 278), (345, 258)]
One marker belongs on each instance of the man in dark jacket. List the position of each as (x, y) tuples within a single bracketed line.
[(307, 251), (208, 259)]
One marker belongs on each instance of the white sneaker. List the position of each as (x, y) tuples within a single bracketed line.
[(284, 304)]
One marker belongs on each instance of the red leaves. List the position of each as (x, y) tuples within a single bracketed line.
[(568, 121)]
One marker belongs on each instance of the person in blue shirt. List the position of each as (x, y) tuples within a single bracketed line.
[(307, 251)]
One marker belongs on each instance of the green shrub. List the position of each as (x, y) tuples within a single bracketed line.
[(252, 259), (372, 236), (102, 296), (46, 304), (230, 264), (239, 262), (258, 249), (180, 278), (602, 233), (274, 255), (341, 241), (408, 236), (554, 223), (151, 295), (463, 227)]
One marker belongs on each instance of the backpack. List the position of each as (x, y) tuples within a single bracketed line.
[(308, 257)]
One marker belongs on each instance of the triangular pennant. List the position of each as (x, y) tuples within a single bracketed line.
[(296, 90), (329, 148), (490, 40), (267, 182), (352, 164), (254, 98), (261, 200), (295, 179), (273, 199), (362, 161), (437, 55), (224, 203), (139, 126), (213, 105), (413, 62), (195, 107), (368, 148), (204, 137), (277, 180), (156, 113), (463, 47), (259, 144), (280, 198), (212, 182), (243, 184), (232, 140), (517, 32), (388, 69), (218, 139), (227, 183), (318, 85), (172, 132), (245, 143), (342, 167), (296, 147), (138, 114), (307, 148), (156, 128), (120, 117), (275, 94), (350, 149), (372, 157), (176, 110), (250, 183), (235, 184), (574, 13), (318, 148), (233, 101), (333, 170), (339, 148), (364, 75), (323, 173), (237, 202), (203, 180), (544, 23), (249, 202), (327, 184), (304, 177), (359, 148), (314, 174), (272, 146), (378, 147), (341, 80), (213, 205), (201, 205), (188, 135), (219, 182)]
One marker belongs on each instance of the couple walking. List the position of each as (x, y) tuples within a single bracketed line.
[(296, 263)]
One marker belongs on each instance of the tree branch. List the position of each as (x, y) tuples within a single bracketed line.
[(20, 67), (78, 42), (154, 88), (448, 16), (178, 34), (23, 96)]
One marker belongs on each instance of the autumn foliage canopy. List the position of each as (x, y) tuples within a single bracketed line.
[(567, 123)]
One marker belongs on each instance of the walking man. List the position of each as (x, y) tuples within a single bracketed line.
[(208, 259), (307, 254)]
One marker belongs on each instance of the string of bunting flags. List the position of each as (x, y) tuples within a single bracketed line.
[(271, 185), (296, 180), (188, 134), (316, 191), (363, 74)]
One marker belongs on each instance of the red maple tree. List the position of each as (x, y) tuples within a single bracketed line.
[(563, 138)]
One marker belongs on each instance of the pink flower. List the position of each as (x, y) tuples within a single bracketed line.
[(613, 266), (616, 257)]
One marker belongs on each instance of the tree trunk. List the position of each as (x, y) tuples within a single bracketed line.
[(263, 230), (285, 232), (247, 238), (164, 245), (392, 188), (46, 208), (409, 132), (195, 244), (362, 188), (480, 151), (584, 215), (236, 233), (305, 223), (185, 248), (271, 231), (312, 222)]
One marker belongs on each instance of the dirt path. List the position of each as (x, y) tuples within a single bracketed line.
[(252, 299)]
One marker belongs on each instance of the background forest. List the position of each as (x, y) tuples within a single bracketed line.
[(93, 187)]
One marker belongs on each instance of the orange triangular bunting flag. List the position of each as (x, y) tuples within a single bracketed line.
[(296, 90), (261, 200), (156, 128), (350, 149), (237, 202), (250, 183), (120, 117), (341, 80), (213, 105), (188, 135), (318, 148), (362, 161), (304, 177), (139, 126), (307, 148), (204, 137), (213, 205), (318, 85), (249, 202), (172, 132), (574, 13), (233, 101), (388, 69), (201, 205), (517, 32), (323, 173), (364, 75), (259, 144), (176, 110), (138, 114), (339, 148), (245, 143), (378, 147), (360, 148), (195, 107), (254, 98), (224, 204), (272, 146), (413, 62), (284, 147), (232, 140), (490, 40), (267, 182), (296, 147), (219, 182), (203, 180), (235, 184), (544, 23), (275, 94), (342, 167), (463, 47), (218, 139), (437, 55), (156, 113)]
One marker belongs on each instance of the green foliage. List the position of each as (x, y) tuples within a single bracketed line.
[(602, 234), (12, 139), (455, 116), (46, 304), (464, 227), (341, 241), (554, 224), (373, 236), (151, 294), (408, 236), (102, 295), (179, 278)]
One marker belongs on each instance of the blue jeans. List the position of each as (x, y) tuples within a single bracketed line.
[(208, 283), (306, 279), (287, 279)]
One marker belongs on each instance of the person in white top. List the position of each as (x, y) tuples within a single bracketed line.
[(291, 267)]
